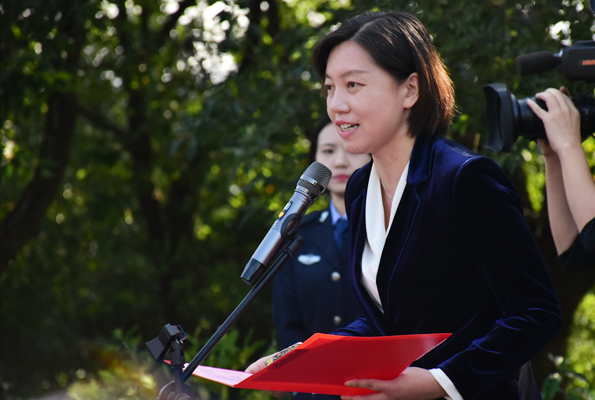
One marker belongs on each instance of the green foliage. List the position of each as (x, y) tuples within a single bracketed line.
[(581, 353), (571, 384), (574, 378), (130, 373)]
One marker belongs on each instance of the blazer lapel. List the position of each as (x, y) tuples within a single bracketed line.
[(396, 243), (357, 221), (420, 168)]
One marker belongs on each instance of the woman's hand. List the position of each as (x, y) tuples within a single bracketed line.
[(546, 149), (412, 384), (261, 364), (561, 121)]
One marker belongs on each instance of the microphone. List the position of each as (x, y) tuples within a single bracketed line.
[(535, 63), (311, 185)]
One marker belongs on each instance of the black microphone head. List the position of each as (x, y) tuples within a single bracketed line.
[(315, 179), (535, 63)]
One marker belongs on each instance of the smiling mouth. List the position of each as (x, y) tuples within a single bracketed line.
[(347, 127)]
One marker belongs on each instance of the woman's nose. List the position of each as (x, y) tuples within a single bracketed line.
[(341, 159), (337, 103)]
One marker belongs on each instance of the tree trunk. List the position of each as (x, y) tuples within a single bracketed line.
[(22, 223)]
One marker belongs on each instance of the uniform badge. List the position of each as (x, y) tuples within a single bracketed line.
[(308, 259)]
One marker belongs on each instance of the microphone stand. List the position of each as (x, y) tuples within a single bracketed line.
[(171, 337)]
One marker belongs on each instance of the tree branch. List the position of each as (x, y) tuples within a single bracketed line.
[(172, 20), (100, 121), (274, 20), (252, 37)]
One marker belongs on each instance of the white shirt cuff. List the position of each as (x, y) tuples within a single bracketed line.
[(444, 381)]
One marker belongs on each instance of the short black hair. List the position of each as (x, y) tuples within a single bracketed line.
[(313, 137), (399, 44)]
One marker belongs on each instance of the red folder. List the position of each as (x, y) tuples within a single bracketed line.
[(323, 363)]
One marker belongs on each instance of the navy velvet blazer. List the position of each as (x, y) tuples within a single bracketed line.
[(313, 292), (459, 258)]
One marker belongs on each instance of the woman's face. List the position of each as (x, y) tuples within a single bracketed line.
[(331, 152), (365, 103)]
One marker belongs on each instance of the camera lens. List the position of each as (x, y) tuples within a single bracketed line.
[(529, 124), (508, 118)]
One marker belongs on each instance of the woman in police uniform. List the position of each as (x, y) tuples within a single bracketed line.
[(312, 292)]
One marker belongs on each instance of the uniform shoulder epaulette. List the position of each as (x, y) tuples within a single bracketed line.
[(315, 216)]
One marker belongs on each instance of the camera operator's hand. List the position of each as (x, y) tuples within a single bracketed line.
[(546, 149), (561, 121)]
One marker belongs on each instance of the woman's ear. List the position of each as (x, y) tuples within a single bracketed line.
[(412, 85)]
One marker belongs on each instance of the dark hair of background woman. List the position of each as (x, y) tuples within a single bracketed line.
[(313, 136)]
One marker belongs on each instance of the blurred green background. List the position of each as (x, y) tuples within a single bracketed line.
[(148, 145)]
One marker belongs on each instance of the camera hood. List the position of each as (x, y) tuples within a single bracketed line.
[(499, 117)]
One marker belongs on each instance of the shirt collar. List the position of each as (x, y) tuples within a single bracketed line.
[(335, 214)]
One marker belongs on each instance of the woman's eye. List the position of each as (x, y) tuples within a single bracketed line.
[(351, 84)]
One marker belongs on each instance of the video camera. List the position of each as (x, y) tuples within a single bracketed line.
[(508, 118)]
